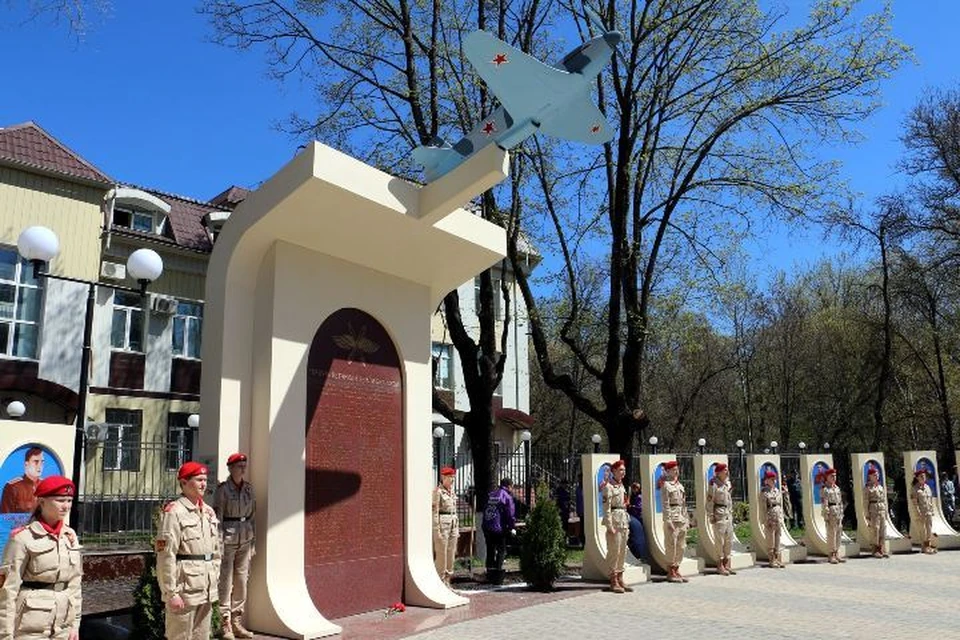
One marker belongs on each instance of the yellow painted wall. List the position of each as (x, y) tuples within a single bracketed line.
[(72, 211), (179, 284), (154, 478)]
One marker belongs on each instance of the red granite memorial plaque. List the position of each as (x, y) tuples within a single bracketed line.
[(353, 511)]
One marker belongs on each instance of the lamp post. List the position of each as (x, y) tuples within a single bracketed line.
[(653, 444), (525, 435), (595, 439), (743, 470), (773, 447), (701, 443), (826, 447), (802, 446), (16, 409), (438, 433), (40, 245)]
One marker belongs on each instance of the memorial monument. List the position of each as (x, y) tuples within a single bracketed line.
[(896, 542), (651, 471), (757, 465), (947, 536), (704, 467), (815, 530)]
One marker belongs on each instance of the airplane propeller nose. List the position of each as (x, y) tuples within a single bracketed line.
[(612, 38)]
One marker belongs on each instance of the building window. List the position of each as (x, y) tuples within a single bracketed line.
[(20, 301), (179, 440), (497, 296), (133, 219), (127, 331), (443, 371), (121, 450), (186, 329)]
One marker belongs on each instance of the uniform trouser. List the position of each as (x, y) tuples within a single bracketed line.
[(496, 552), (834, 531), (773, 528), (723, 534), (190, 623), (445, 543), (926, 529), (675, 541), (234, 570), (36, 623), (877, 519), (616, 549)]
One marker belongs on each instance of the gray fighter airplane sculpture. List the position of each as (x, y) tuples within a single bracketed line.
[(533, 97)]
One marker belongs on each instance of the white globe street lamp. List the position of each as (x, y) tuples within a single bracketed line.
[(193, 421), (16, 409), (38, 244)]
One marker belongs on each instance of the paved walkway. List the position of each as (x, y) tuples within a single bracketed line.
[(907, 596)]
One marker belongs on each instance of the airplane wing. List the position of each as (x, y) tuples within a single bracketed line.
[(523, 84), (578, 119)]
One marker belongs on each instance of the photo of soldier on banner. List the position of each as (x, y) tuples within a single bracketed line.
[(20, 473)]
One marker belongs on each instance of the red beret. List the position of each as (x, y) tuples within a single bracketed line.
[(769, 474), (720, 466), (873, 471), (190, 469), (236, 457), (829, 471), (55, 486), (619, 464), (670, 464), (448, 471), (919, 471)]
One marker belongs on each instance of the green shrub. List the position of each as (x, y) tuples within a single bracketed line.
[(741, 512), (148, 608), (543, 550)]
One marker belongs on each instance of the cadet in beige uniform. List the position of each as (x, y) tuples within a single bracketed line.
[(923, 500), (617, 521), (188, 557), (234, 504), (720, 513), (831, 506), (41, 571), (446, 528), (673, 497), (875, 499), (771, 508)]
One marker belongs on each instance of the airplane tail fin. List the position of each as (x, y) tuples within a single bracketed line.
[(434, 159)]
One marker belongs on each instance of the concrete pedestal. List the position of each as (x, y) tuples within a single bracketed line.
[(650, 471), (815, 531), (896, 542), (706, 541), (792, 551), (596, 470), (947, 536)]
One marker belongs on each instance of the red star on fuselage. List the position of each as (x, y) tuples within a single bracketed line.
[(595, 128), (489, 128), (499, 59)]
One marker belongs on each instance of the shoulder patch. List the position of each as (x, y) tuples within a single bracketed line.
[(160, 544), (167, 508), (16, 531)]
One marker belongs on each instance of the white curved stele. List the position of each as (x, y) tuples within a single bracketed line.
[(815, 526), (653, 516), (896, 542), (947, 536), (791, 550), (740, 558)]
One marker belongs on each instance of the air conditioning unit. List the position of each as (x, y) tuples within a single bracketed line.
[(113, 270), (163, 304), (97, 431)]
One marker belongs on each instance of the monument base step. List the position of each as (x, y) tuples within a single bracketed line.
[(636, 574), (738, 560), (900, 544)]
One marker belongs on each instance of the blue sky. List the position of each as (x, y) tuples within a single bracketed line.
[(146, 98)]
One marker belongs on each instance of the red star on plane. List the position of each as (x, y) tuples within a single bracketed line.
[(489, 128), (499, 59), (595, 128)]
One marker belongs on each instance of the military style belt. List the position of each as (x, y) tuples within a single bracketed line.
[(876, 501), (240, 519), (448, 513), (52, 586), (833, 504), (194, 556), (618, 507)]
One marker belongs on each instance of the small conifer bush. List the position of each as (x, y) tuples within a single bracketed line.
[(543, 550)]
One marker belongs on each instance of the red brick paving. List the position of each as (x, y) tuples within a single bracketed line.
[(418, 619)]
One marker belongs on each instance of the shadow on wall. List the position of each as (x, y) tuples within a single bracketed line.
[(336, 487)]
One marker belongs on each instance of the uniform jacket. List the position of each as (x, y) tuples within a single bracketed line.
[(33, 555), (188, 529), (674, 499), (235, 507), (18, 496), (615, 513), (720, 501), (772, 503), (444, 503), (923, 499), (831, 502), (875, 497)]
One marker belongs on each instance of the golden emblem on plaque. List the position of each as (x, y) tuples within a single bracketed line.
[(356, 343)]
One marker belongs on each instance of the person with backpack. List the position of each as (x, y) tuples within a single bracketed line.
[(498, 520)]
